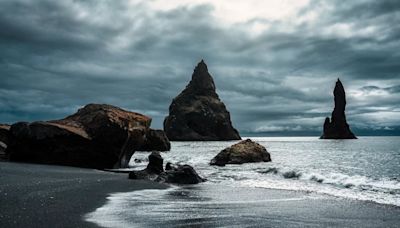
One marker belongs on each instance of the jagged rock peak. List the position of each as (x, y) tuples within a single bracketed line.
[(201, 79), (197, 113), (336, 127), (340, 96)]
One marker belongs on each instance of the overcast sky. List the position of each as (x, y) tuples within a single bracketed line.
[(274, 62)]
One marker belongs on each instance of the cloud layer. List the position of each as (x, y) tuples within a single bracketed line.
[(275, 69)]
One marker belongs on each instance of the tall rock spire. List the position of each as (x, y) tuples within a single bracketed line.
[(197, 113), (201, 82), (337, 127)]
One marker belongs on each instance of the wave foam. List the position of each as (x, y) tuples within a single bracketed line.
[(385, 191)]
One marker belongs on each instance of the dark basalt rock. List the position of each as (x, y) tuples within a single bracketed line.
[(170, 166), (155, 163), (175, 174), (153, 170), (97, 136), (155, 140), (197, 113), (245, 151), (181, 174), (337, 127)]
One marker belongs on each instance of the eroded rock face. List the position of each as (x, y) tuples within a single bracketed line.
[(245, 151), (180, 174), (97, 136), (337, 127), (153, 170), (197, 113), (155, 140), (175, 174)]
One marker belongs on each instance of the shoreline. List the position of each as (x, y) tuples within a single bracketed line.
[(216, 205), (34, 195), (60, 196)]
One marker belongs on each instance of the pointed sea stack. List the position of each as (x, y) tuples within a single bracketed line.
[(197, 113), (337, 127)]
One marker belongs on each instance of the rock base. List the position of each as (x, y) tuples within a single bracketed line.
[(174, 174)]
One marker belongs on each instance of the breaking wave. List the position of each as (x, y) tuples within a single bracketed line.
[(383, 190)]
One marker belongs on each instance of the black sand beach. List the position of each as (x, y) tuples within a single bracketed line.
[(215, 205), (55, 196)]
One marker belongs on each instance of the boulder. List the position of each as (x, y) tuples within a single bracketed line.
[(152, 171), (175, 174), (197, 113), (181, 174), (337, 127), (97, 136), (245, 151), (155, 140), (155, 163)]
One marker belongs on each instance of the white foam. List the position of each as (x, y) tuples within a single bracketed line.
[(357, 169), (339, 185)]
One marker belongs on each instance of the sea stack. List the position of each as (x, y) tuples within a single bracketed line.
[(197, 113), (337, 127)]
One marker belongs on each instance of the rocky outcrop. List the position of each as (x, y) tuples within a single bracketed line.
[(97, 136), (337, 127), (180, 174), (175, 174), (245, 151), (155, 140), (153, 170), (197, 113)]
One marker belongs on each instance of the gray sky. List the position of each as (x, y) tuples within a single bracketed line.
[(274, 62)]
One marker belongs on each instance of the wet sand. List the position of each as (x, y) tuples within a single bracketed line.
[(214, 205), (34, 195)]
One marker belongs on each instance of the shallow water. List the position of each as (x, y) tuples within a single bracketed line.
[(364, 169), (367, 169)]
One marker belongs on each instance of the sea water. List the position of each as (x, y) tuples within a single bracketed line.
[(367, 169)]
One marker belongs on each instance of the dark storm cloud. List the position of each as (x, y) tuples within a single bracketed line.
[(391, 89), (59, 55)]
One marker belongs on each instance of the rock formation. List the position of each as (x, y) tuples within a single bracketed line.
[(197, 113), (97, 136), (180, 174), (153, 170), (176, 174), (337, 127), (245, 151), (155, 140)]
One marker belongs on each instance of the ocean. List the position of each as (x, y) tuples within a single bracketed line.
[(367, 169)]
